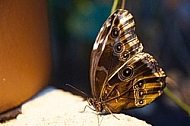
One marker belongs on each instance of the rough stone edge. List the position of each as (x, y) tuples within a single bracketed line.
[(55, 107)]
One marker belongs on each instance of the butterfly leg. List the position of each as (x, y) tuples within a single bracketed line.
[(86, 107), (104, 112)]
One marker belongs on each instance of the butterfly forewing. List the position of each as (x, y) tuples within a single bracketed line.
[(114, 45), (122, 76)]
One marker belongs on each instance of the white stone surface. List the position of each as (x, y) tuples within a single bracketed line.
[(55, 107)]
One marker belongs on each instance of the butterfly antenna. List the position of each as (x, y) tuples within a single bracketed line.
[(77, 90)]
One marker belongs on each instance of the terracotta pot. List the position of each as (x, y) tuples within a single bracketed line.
[(25, 51)]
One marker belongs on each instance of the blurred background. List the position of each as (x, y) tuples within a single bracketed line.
[(163, 26)]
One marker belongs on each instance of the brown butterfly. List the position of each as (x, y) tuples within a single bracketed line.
[(122, 76)]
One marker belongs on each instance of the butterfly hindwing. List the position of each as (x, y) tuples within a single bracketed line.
[(137, 84)]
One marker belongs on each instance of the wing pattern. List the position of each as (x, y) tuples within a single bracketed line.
[(122, 75)]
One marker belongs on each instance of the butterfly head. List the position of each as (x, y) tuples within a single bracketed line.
[(98, 106)]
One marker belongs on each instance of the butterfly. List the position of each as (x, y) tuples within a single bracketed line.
[(122, 76)]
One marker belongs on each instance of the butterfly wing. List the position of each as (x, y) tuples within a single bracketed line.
[(137, 84), (122, 76), (114, 45)]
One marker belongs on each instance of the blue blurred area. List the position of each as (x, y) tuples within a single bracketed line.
[(163, 26), (74, 26)]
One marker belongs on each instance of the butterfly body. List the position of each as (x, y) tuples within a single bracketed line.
[(122, 76)]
